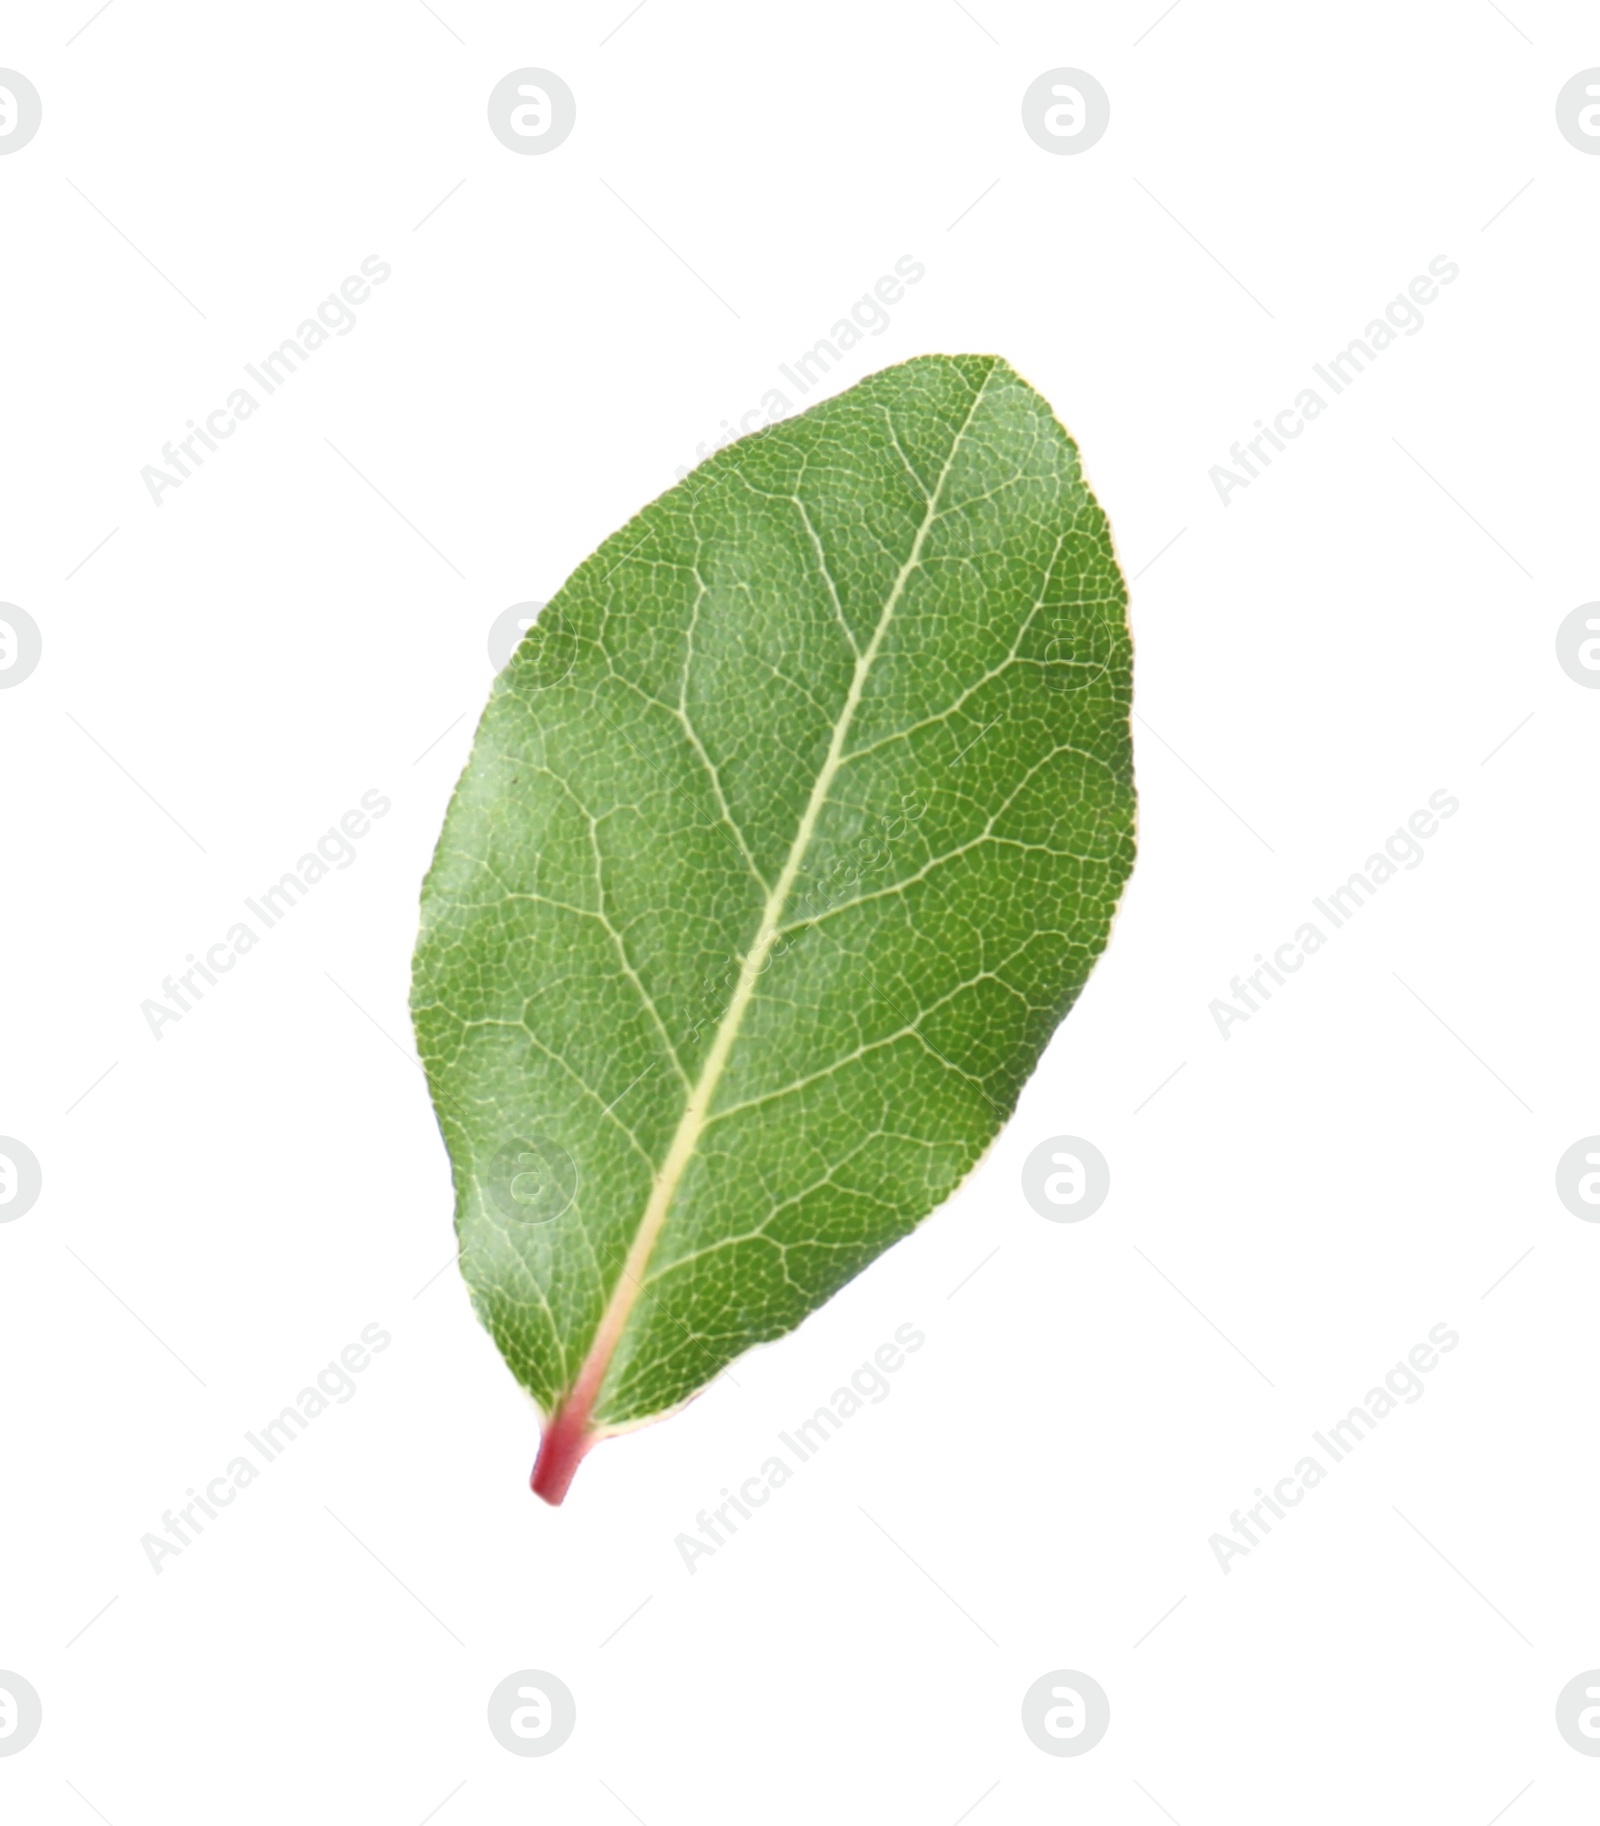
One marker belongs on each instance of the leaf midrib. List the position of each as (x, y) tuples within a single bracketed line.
[(585, 1391)]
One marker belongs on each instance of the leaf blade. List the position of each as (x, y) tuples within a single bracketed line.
[(832, 636)]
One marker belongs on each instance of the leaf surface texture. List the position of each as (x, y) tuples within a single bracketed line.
[(790, 833)]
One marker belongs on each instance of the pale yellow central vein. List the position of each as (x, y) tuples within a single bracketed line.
[(697, 1109)]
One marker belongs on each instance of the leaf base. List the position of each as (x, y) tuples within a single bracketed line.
[(561, 1450)]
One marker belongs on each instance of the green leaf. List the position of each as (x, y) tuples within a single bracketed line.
[(791, 832)]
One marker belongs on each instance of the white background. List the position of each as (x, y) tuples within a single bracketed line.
[(1338, 1175)]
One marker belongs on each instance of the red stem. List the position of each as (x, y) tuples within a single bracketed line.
[(561, 1451)]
